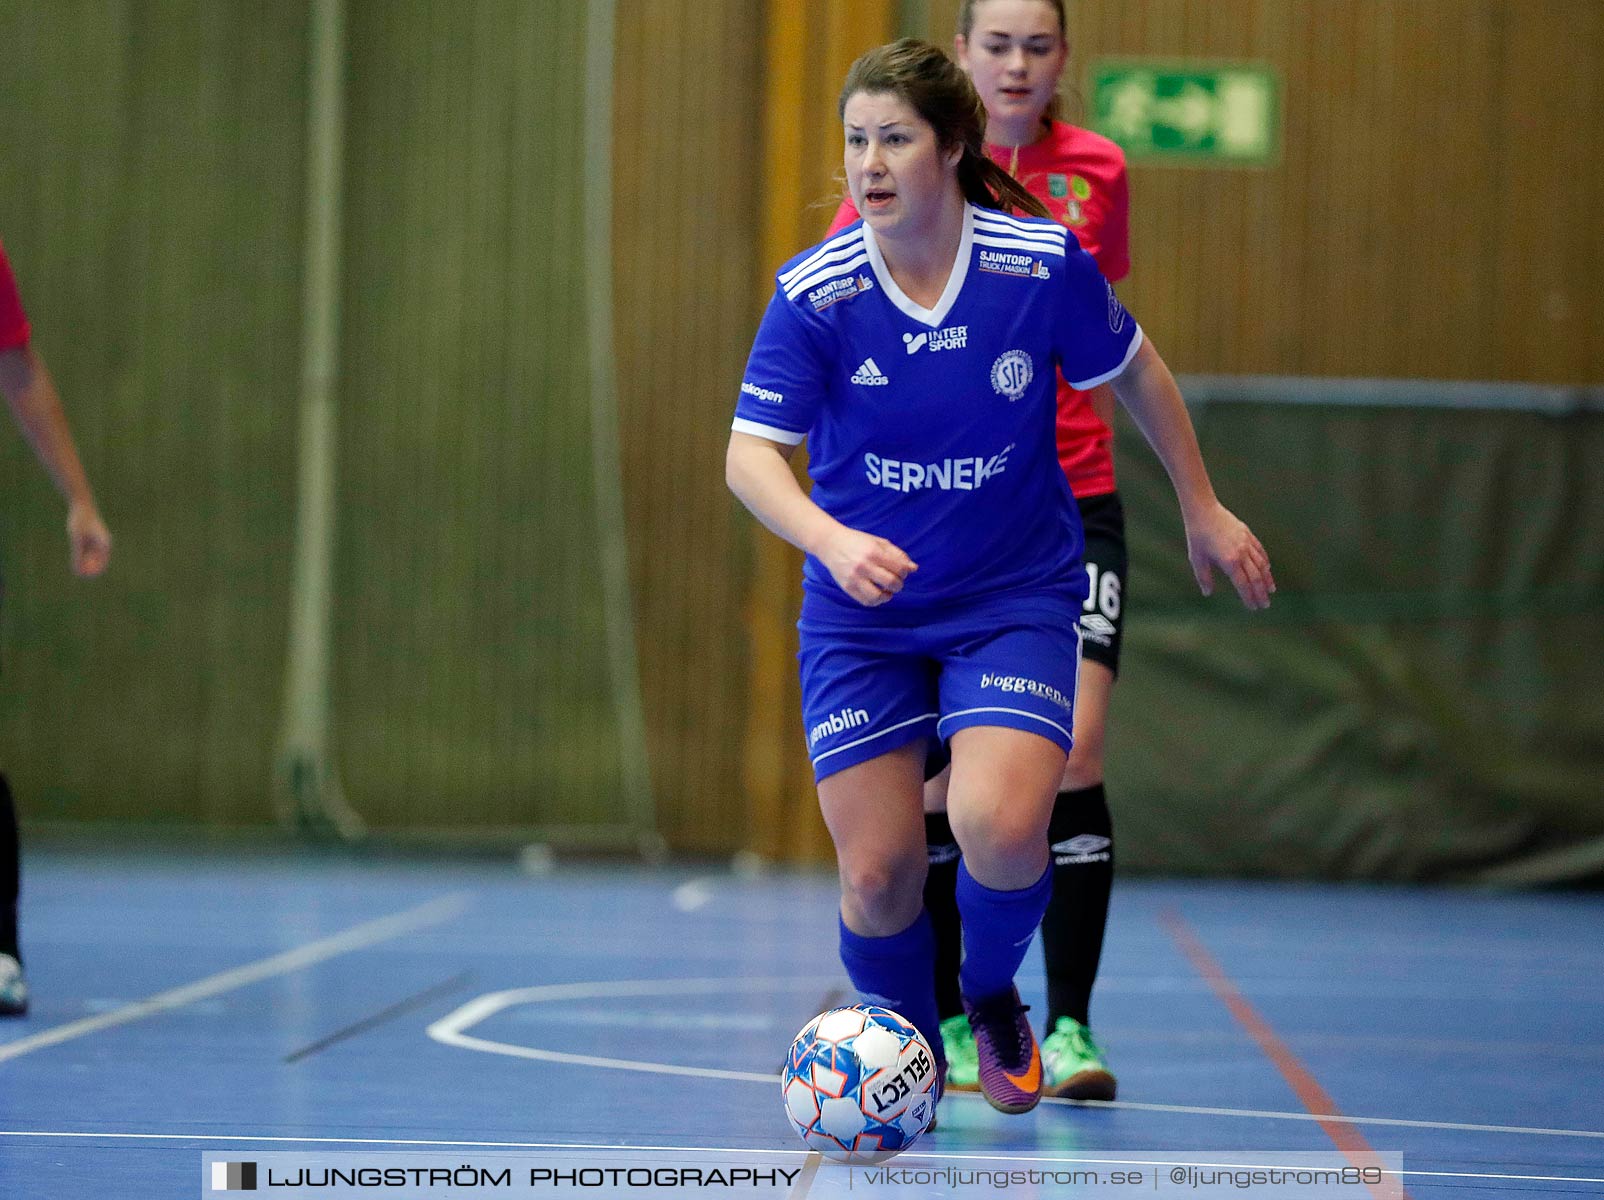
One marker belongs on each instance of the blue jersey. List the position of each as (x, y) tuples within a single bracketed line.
[(934, 428)]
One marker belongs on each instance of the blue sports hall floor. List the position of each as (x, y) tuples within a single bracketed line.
[(237, 1003)]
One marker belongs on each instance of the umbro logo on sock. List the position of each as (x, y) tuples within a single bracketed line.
[(870, 375), (1082, 848), (1082, 843)]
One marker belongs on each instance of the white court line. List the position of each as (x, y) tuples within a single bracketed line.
[(448, 1030), (1192, 1110), (369, 933), (913, 1155)]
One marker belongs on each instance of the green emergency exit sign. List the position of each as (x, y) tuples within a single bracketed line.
[(1188, 113)]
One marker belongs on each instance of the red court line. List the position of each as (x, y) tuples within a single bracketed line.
[(1311, 1095)]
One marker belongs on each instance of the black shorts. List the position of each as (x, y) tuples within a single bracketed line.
[(1102, 621)]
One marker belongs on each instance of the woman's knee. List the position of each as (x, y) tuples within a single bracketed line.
[(988, 827), (883, 890)]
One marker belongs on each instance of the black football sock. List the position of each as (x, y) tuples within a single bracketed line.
[(941, 902), (9, 872), (1082, 836)]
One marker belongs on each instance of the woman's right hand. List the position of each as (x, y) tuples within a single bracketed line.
[(867, 568)]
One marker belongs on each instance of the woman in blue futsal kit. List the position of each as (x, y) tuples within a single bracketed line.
[(916, 352)]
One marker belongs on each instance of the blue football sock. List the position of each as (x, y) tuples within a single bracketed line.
[(897, 972), (998, 927)]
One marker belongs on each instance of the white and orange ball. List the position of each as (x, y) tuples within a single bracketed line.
[(859, 1084)]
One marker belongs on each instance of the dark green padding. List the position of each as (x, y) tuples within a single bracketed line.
[(1425, 698)]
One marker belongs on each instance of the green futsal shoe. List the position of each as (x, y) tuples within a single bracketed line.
[(1072, 1064), (963, 1061), (13, 988)]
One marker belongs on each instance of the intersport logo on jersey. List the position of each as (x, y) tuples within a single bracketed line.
[(948, 475), (954, 337)]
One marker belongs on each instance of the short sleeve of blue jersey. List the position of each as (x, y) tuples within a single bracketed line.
[(1095, 338), (786, 377)]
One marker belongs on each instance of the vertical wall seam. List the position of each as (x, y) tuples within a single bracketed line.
[(607, 465)]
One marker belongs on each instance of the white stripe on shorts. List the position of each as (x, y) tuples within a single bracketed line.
[(964, 712), (872, 736)]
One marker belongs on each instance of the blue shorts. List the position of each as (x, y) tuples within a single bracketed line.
[(1008, 661)]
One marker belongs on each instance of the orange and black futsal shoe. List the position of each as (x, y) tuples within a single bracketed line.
[(1010, 1060)]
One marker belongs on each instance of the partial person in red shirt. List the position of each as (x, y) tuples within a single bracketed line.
[(1015, 52), (31, 395)]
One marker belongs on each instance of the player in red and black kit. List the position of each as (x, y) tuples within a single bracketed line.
[(1015, 52), (31, 396)]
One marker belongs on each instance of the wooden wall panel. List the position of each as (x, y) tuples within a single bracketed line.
[(808, 49), (687, 199), (1547, 196), (721, 175), (1430, 215)]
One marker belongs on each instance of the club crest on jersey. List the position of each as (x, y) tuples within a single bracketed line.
[(1011, 374), (839, 289)]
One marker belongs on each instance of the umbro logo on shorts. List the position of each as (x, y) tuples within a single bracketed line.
[(870, 375)]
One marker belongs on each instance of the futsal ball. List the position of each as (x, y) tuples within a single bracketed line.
[(859, 1084)]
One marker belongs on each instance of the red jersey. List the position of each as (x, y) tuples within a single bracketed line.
[(1080, 176), (13, 321)]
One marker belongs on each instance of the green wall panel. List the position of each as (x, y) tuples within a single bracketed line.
[(153, 203), (151, 199), (472, 685)]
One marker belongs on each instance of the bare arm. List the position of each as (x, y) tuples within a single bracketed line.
[(868, 568), (36, 408), (1103, 403), (1214, 536)]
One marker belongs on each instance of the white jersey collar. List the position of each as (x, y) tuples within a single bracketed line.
[(932, 317)]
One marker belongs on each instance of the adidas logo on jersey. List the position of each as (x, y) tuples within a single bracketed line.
[(869, 375)]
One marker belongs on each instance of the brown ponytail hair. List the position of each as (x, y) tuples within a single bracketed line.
[(932, 85)]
